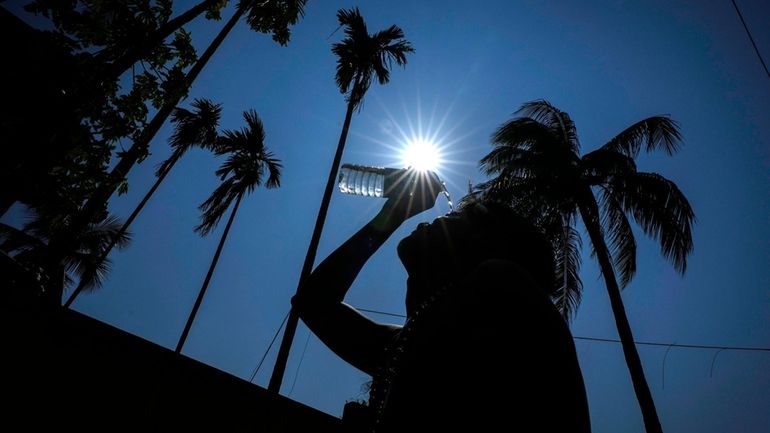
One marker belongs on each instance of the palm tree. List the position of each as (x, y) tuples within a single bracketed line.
[(539, 169), (242, 172), (83, 262), (263, 16), (193, 128), (361, 57)]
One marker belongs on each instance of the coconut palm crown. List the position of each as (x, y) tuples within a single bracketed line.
[(539, 171)]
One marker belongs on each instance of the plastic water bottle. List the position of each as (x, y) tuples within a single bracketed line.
[(366, 180), (371, 181)]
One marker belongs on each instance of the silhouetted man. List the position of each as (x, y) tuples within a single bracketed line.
[(483, 347)]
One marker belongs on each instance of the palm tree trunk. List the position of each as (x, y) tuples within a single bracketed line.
[(291, 325), (589, 211), (174, 158), (100, 197), (138, 49), (206, 281)]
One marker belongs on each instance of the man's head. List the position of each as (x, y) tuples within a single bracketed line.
[(453, 245)]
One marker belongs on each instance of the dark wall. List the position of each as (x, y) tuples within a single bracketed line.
[(67, 371)]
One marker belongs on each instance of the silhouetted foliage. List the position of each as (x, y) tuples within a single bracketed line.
[(362, 57), (81, 263), (104, 40), (539, 171), (96, 32), (247, 161), (274, 16), (193, 128)]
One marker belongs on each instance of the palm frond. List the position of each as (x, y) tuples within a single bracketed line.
[(255, 129), (274, 16), (662, 210), (390, 48), (351, 19), (100, 235), (198, 127), (657, 132), (274, 167), (602, 165), (622, 244), (215, 206), (523, 132), (569, 286), (346, 69), (531, 201), (13, 240), (509, 159), (86, 267), (557, 121), (349, 51), (192, 128), (85, 261), (242, 171), (362, 57)]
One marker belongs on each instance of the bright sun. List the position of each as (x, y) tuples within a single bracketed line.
[(421, 154)]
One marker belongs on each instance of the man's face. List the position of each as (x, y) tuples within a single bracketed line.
[(433, 254)]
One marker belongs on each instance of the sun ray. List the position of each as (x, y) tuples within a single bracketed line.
[(440, 138)]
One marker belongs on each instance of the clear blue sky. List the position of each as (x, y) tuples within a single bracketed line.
[(607, 63)]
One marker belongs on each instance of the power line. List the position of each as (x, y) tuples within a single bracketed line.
[(278, 331), (751, 38), (612, 340), (296, 374), (688, 346)]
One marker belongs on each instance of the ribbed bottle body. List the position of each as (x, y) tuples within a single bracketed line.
[(364, 180)]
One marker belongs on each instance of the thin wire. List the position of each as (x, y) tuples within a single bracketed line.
[(301, 358), (689, 346), (332, 33), (256, 369), (713, 360), (751, 38), (663, 368), (611, 340)]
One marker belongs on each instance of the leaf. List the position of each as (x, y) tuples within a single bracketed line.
[(662, 211), (242, 171), (568, 283), (622, 244), (657, 132)]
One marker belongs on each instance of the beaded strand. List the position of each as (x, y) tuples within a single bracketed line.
[(382, 381)]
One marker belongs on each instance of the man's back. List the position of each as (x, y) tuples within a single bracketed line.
[(497, 356)]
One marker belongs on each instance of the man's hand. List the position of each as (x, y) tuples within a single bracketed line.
[(413, 192)]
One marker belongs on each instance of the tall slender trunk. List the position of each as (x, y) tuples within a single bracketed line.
[(291, 325), (99, 199), (589, 211), (206, 281), (139, 49), (87, 279)]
